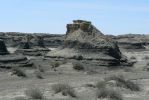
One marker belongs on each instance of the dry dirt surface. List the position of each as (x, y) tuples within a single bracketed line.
[(12, 86)]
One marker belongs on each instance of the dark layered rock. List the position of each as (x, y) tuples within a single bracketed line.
[(11, 60), (26, 45), (85, 40), (40, 42), (33, 52), (3, 49), (132, 45), (15, 39), (131, 41), (30, 48)]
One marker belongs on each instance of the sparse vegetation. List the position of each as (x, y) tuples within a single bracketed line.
[(39, 75), (20, 98), (147, 64), (40, 69), (110, 94), (64, 61), (19, 72), (79, 57), (59, 87), (90, 85), (65, 89), (146, 68), (69, 91), (146, 58), (82, 57), (122, 82), (128, 69), (133, 57), (55, 64), (34, 93), (101, 84), (78, 66)]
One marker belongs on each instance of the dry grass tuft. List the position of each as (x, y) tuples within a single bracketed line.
[(19, 72), (101, 84), (55, 64), (41, 69), (65, 89), (78, 66), (20, 98), (39, 75), (109, 94), (133, 57), (122, 82), (34, 93)]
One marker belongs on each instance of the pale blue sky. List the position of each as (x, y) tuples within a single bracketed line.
[(51, 16)]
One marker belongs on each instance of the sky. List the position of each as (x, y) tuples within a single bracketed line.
[(51, 16)]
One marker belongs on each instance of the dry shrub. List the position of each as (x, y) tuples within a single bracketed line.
[(109, 94), (40, 69), (34, 93), (147, 64), (90, 85), (64, 61), (65, 89), (78, 66), (55, 64), (39, 75), (20, 98), (78, 57), (122, 82), (133, 57), (101, 84), (19, 72), (146, 68), (69, 91)]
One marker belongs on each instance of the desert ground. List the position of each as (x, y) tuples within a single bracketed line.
[(12, 86), (83, 65)]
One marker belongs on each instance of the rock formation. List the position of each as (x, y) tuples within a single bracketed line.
[(27, 47), (11, 60), (132, 45), (40, 41), (14, 60), (131, 41), (82, 30), (85, 40), (3, 49)]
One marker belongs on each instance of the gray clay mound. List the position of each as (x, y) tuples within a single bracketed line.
[(83, 39)]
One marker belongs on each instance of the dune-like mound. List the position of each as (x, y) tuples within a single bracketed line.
[(84, 40)]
